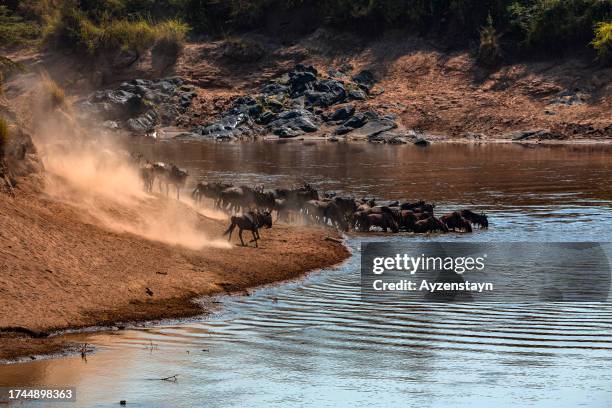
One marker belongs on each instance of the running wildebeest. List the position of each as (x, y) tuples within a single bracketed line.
[(147, 175), (237, 198), (177, 177), (169, 174), (251, 221), (211, 190), (264, 200), (161, 171)]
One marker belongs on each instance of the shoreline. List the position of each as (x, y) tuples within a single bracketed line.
[(433, 139), (160, 281)]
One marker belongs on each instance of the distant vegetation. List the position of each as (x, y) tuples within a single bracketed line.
[(603, 41), (15, 30), (74, 29), (508, 27)]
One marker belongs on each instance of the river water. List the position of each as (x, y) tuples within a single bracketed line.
[(316, 343)]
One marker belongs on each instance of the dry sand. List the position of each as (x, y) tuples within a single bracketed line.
[(61, 268)]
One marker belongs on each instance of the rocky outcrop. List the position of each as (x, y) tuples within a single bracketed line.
[(139, 105), (300, 102), (297, 103)]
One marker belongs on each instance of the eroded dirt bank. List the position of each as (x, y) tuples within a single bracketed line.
[(59, 269)]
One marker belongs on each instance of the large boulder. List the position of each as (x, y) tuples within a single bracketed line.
[(274, 89), (228, 127), (301, 81), (373, 128), (246, 105), (365, 79), (352, 123), (144, 123), (293, 123), (343, 113), (357, 95), (117, 104), (389, 137), (326, 93)]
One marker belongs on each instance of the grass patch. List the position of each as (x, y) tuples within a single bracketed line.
[(170, 37), (126, 35), (14, 30), (171, 32), (74, 30), (53, 91)]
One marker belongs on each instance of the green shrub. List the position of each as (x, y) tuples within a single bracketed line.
[(14, 30), (126, 35), (603, 41), (171, 32)]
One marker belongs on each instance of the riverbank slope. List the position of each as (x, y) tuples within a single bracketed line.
[(60, 269)]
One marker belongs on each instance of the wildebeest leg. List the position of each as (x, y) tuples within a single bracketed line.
[(230, 230), (240, 235), (177, 192), (255, 237), (255, 234)]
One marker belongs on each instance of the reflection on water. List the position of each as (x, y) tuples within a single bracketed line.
[(317, 343)]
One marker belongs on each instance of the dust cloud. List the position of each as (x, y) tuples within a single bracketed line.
[(93, 172)]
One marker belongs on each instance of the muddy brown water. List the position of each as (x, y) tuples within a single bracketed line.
[(315, 342)]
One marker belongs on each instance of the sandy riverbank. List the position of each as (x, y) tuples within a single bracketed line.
[(60, 269)]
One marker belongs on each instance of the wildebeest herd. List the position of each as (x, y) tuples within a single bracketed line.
[(344, 213), (165, 174), (305, 203)]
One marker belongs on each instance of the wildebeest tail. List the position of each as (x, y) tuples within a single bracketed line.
[(231, 227)]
